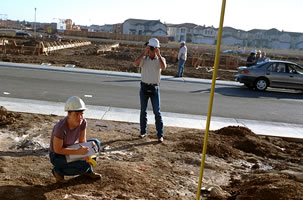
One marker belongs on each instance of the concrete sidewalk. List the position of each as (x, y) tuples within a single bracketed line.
[(170, 119)]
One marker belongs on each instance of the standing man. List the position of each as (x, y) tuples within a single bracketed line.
[(182, 56), (151, 63), (263, 57), (251, 59), (65, 133)]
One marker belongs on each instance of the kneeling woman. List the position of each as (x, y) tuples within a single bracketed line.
[(65, 133)]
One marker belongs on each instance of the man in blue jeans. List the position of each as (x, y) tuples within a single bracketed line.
[(65, 133), (182, 56), (151, 63)]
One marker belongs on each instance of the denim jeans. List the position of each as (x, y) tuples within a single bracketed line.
[(64, 168), (181, 67), (152, 92)]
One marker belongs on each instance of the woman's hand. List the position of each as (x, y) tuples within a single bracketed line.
[(83, 150)]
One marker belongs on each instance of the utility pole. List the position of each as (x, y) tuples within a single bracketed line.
[(35, 23)]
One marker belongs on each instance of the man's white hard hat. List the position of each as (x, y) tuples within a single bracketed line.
[(154, 42), (182, 42), (74, 103)]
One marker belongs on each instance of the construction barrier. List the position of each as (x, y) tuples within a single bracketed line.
[(10, 46), (113, 36)]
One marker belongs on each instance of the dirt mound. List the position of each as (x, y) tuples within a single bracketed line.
[(243, 139), (237, 131), (6, 117), (266, 186)]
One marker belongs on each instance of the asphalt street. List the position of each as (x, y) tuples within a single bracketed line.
[(121, 90)]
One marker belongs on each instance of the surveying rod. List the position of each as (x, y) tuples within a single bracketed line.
[(211, 98)]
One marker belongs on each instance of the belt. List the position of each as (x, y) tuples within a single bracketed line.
[(151, 84)]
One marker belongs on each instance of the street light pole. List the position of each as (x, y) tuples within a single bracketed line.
[(35, 22)]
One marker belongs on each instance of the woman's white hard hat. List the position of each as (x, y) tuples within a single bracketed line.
[(74, 103)]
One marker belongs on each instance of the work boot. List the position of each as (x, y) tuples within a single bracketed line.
[(58, 177), (93, 175)]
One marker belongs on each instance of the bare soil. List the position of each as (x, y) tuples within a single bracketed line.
[(199, 64), (120, 59), (239, 164)]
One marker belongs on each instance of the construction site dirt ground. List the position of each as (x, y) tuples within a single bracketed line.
[(239, 164), (119, 59), (99, 56)]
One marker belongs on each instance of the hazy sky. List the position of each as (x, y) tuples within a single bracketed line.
[(240, 14)]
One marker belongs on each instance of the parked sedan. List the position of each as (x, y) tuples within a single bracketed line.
[(56, 36), (274, 73), (23, 34)]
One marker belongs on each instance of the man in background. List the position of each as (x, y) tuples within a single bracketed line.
[(182, 56)]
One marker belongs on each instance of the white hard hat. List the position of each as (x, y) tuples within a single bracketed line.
[(154, 42), (182, 42), (74, 103), (254, 51)]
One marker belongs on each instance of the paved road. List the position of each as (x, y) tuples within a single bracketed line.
[(188, 96)]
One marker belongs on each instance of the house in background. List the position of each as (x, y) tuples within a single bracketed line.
[(233, 37), (298, 44), (144, 27), (69, 24), (204, 35), (191, 33), (107, 28), (117, 28), (179, 32), (60, 25), (94, 28)]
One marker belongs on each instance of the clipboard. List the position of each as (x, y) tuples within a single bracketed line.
[(93, 150)]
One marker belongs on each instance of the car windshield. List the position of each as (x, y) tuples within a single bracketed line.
[(298, 69), (258, 65)]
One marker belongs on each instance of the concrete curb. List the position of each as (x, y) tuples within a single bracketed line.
[(113, 73)]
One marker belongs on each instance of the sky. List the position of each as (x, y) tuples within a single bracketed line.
[(239, 14)]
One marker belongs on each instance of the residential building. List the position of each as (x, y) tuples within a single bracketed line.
[(144, 27), (179, 32), (117, 28), (107, 28), (60, 25), (93, 28), (69, 24), (204, 35)]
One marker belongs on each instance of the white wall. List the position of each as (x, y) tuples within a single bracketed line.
[(231, 41)]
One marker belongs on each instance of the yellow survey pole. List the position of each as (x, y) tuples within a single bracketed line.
[(211, 98)]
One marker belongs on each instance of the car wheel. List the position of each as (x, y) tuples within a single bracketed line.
[(261, 84)]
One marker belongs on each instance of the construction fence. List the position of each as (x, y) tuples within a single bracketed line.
[(113, 36)]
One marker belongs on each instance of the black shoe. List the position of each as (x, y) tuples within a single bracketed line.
[(176, 76), (59, 178), (93, 175)]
